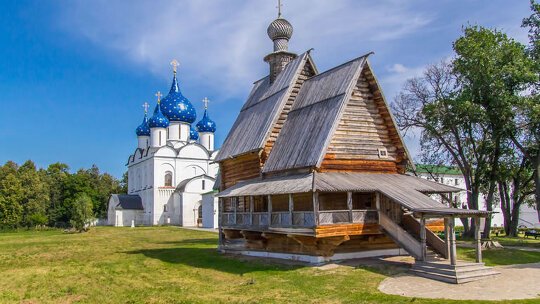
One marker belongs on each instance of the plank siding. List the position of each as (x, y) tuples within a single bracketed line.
[(361, 132)]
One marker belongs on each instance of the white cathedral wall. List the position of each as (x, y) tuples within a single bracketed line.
[(207, 140), (146, 177), (173, 132), (209, 210), (190, 205), (184, 131)]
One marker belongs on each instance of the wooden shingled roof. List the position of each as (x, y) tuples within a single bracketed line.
[(408, 191), (313, 118), (260, 111)]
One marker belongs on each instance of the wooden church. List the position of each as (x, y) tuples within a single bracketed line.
[(313, 169)]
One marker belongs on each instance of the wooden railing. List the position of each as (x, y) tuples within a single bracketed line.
[(401, 237), (411, 224), (304, 219), (346, 216)]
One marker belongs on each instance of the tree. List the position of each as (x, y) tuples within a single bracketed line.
[(527, 136), (35, 199), (465, 107), (82, 214), (11, 193), (452, 127), (515, 188)]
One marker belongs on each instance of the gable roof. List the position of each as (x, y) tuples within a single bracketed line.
[(313, 118), (261, 110), (129, 201)]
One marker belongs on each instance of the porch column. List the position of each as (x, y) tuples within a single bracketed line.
[(316, 207), (235, 207), (291, 209), (251, 208), (423, 236), (269, 210), (220, 222), (477, 239), (452, 234), (349, 206), (447, 236)]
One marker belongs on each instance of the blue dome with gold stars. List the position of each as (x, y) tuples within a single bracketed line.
[(206, 124), (193, 134), (158, 120), (143, 129), (177, 107)]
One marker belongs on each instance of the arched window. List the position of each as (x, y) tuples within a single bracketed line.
[(168, 179)]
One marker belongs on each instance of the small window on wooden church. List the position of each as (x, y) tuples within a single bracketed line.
[(203, 184), (361, 201), (280, 203), (303, 201), (383, 153), (333, 201), (164, 208), (168, 179), (260, 203)]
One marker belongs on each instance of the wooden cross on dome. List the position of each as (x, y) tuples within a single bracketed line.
[(145, 106), (175, 64), (158, 95), (206, 101)]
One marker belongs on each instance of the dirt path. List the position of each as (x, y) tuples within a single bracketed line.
[(514, 282)]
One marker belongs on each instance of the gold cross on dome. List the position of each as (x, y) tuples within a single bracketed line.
[(206, 101), (158, 95), (145, 106), (175, 64), (279, 8)]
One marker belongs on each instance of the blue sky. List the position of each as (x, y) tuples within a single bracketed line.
[(74, 74)]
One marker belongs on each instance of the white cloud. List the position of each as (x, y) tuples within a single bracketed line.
[(222, 42)]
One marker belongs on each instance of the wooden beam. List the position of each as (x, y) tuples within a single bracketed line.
[(291, 208), (316, 207), (269, 210), (349, 206), (423, 237), (477, 239), (452, 232)]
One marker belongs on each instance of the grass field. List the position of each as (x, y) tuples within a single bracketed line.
[(166, 265)]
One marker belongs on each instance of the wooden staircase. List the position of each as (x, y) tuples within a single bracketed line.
[(441, 270), (435, 266)]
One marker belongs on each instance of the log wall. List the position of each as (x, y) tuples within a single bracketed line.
[(365, 127), (240, 168)]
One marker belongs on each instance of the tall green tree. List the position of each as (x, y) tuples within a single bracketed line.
[(82, 212), (527, 136), (35, 199), (492, 70)]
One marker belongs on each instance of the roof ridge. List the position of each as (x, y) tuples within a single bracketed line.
[(341, 65)]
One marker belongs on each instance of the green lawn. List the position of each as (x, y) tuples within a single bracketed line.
[(518, 241), (165, 265)]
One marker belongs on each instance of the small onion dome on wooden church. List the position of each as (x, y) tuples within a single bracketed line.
[(206, 124), (193, 135), (175, 106), (280, 29), (158, 120), (143, 129)]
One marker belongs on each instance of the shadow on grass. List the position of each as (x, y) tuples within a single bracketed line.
[(209, 258), (379, 265), (201, 241)]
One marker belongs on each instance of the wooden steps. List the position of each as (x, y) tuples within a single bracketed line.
[(441, 270)]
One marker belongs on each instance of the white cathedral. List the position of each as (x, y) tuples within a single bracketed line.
[(171, 168)]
